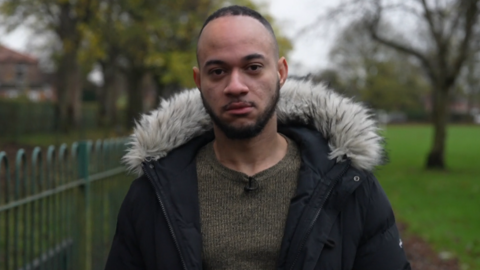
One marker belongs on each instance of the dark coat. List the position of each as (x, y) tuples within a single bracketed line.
[(339, 219)]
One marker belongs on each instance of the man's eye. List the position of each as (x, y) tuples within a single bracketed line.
[(254, 67), (216, 72)]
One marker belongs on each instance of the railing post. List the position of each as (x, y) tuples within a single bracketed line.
[(83, 162)]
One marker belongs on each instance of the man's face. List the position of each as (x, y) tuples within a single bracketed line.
[(239, 75)]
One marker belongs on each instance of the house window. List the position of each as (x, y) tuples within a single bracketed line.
[(12, 93), (21, 73)]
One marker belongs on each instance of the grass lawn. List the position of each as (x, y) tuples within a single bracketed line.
[(443, 207)]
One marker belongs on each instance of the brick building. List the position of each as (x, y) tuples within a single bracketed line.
[(20, 75)]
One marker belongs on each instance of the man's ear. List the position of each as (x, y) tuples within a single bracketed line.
[(282, 70), (196, 76)]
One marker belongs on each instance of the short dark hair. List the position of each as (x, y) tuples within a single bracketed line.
[(239, 11)]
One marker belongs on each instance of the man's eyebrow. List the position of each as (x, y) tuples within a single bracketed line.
[(245, 58), (253, 56), (213, 62)]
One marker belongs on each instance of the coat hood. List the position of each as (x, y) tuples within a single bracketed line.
[(348, 126)]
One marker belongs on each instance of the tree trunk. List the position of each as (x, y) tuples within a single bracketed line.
[(61, 110), (164, 91), (75, 86), (159, 87), (113, 93), (69, 91), (440, 112), (108, 97), (135, 98), (69, 80)]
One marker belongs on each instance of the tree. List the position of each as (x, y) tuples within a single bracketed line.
[(382, 78), (103, 49), (446, 32), (388, 89), (331, 77), (148, 37), (67, 19), (134, 38)]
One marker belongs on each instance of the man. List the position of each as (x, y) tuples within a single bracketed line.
[(282, 180)]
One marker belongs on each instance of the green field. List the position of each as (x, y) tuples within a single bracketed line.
[(443, 207)]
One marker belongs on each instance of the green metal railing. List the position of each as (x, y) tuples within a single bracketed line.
[(60, 214)]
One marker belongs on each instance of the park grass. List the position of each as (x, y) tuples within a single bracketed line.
[(443, 207)]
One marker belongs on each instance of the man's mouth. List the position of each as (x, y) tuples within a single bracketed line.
[(239, 108)]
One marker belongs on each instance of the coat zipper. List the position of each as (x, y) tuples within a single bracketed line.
[(168, 220), (309, 231), (317, 214)]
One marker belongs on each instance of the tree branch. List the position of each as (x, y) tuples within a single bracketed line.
[(372, 28), (454, 25), (403, 7), (49, 12), (87, 12), (470, 21), (433, 30)]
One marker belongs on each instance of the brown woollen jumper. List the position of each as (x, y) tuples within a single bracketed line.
[(244, 229)]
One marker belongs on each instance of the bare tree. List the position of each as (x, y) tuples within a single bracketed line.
[(381, 77), (445, 34)]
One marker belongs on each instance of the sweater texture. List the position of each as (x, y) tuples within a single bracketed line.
[(244, 229)]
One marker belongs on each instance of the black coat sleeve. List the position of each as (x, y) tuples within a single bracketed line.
[(381, 247), (125, 253)]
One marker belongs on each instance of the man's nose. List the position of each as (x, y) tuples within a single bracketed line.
[(236, 85)]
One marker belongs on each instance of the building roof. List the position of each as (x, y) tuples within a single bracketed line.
[(10, 56)]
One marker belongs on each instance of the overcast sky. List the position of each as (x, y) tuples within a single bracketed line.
[(310, 51)]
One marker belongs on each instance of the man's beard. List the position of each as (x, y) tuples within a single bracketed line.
[(249, 131)]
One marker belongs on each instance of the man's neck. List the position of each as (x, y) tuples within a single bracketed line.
[(253, 155)]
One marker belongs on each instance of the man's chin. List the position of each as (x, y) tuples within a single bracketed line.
[(236, 121), (240, 132)]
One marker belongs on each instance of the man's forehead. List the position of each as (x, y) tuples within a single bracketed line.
[(230, 30)]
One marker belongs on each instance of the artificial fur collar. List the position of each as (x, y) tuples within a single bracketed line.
[(347, 125)]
